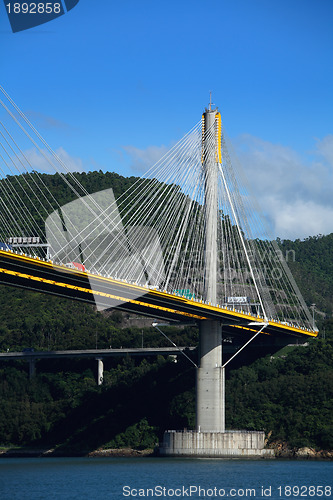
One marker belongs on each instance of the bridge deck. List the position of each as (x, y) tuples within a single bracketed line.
[(47, 277), (93, 353)]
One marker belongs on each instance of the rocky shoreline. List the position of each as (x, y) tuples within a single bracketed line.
[(280, 449), (54, 452)]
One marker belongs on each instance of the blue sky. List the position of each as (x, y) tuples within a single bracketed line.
[(111, 83)]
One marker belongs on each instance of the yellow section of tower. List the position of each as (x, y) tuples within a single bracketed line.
[(218, 137)]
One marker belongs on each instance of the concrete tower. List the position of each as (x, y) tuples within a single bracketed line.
[(210, 374), (210, 439)]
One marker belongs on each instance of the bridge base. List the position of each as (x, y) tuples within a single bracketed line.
[(228, 444)]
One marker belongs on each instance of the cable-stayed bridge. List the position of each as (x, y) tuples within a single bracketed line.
[(184, 242), (33, 273), (152, 249)]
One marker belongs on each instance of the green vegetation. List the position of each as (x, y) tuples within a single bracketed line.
[(311, 264), (288, 395), (51, 189), (66, 408)]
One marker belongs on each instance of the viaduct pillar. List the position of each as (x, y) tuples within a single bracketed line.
[(210, 374), (32, 368), (100, 370), (210, 439)]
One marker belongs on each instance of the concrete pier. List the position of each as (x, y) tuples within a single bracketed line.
[(210, 375), (32, 368), (228, 444), (100, 371), (210, 407), (210, 439)]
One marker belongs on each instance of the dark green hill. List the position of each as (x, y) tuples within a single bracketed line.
[(311, 263), (40, 194), (289, 396)]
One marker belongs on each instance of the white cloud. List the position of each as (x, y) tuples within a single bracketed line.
[(41, 120), (143, 159), (301, 218), (295, 192), (44, 162), (73, 164), (324, 148)]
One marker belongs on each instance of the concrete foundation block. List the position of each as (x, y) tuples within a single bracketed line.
[(228, 444)]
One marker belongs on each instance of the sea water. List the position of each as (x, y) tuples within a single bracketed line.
[(121, 478)]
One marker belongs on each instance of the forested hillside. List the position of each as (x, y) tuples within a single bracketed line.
[(311, 263), (288, 395), (41, 194)]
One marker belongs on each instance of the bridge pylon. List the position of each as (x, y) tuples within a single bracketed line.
[(210, 437), (210, 374), (210, 386)]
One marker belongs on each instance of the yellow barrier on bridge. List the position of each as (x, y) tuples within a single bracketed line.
[(47, 277)]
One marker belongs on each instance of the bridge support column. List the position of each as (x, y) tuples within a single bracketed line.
[(32, 368), (210, 439), (210, 400), (100, 370), (228, 444)]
